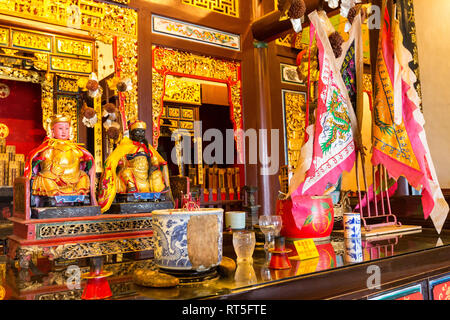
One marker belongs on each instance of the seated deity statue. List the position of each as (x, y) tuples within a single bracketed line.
[(59, 166), (133, 167)]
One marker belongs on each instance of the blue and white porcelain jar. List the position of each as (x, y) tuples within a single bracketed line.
[(187, 240), (352, 225)]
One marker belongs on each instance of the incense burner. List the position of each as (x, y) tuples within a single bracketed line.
[(187, 240)]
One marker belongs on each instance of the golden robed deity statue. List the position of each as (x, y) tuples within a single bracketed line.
[(133, 167), (59, 166)]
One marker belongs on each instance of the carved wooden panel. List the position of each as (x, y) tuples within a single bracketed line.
[(227, 7)]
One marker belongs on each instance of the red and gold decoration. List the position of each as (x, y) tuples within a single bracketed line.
[(4, 131), (11, 163), (440, 288), (183, 64), (56, 54), (442, 291), (413, 296)]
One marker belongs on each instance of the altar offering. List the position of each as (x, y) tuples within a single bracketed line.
[(306, 217), (154, 279), (187, 240)]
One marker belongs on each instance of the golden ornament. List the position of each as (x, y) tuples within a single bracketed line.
[(4, 131)]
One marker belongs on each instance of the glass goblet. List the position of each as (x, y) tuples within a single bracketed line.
[(271, 227), (278, 223)]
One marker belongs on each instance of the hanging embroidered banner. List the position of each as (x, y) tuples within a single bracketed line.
[(433, 201), (351, 65), (408, 29), (335, 126), (391, 144), (399, 141), (348, 71)]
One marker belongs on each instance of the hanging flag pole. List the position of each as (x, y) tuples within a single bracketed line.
[(352, 67)]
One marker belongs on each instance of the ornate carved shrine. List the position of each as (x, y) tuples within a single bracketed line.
[(58, 62), (55, 57), (183, 64)]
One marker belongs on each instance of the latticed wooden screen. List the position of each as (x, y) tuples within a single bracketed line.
[(227, 7)]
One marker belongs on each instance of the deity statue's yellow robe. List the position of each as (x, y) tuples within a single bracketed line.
[(131, 167), (58, 168)]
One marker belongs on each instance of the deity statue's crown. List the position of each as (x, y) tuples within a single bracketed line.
[(138, 125), (60, 118)]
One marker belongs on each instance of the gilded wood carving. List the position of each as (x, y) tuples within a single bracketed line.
[(184, 64), (294, 102)]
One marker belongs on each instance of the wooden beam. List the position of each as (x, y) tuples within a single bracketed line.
[(269, 27)]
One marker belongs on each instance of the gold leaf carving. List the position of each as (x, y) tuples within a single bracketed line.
[(295, 125)]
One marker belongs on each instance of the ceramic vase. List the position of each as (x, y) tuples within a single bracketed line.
[(187, 240)]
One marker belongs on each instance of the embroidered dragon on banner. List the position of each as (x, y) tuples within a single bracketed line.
[(337, 124)]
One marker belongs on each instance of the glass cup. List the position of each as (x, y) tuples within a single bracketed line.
[(235, 220), (245, 274), (271, 227), (244, 245)]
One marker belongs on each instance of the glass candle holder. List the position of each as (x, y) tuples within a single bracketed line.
[(244, 245)]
